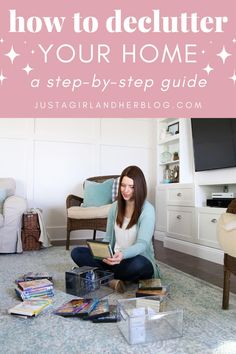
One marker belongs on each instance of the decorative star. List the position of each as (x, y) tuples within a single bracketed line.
[(12, 54), (27, 69), (208, 69), (233, 77), (234, 40), (203, 51), (32, 51), (223, 54), (2, 77), (1, 40)]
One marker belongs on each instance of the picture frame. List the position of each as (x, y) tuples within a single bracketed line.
[(173, 129), (99, 249)]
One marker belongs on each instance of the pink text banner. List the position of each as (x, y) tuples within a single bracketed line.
[(117, 58)]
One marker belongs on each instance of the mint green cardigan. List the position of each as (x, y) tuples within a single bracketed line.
[(145, 231)]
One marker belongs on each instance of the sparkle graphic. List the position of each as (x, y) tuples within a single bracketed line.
[(223, 54), (2, 77), (208, 69), (27, 69), (203, 51), (1, 40), (233, 77), (234, 40), (12, 54), (32, 51)]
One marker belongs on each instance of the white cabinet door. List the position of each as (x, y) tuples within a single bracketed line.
[(207, 226), (161, 209), (181, 223)]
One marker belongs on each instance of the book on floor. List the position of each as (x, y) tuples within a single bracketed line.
[(86, 310), (153, 292), (150, 284), (33, 276), (101, 309), (39, 294), (112, 317), (29, 308), (76, 307), (35, 284)]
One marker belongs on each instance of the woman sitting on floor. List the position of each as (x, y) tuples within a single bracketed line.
[(130, 228)]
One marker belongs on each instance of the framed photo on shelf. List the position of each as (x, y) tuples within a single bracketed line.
[(173, 128)]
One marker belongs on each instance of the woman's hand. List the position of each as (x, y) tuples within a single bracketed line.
[(116, 259)]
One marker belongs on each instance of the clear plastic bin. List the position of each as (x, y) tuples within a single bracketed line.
[(88, 282), (149, 319)]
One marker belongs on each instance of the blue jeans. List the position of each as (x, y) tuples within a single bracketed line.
[(131, 269)]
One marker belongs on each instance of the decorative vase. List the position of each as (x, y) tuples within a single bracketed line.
[(175, 156), (166, 156)]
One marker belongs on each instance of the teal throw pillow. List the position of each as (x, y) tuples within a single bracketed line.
[(3, 195), (97, 194)]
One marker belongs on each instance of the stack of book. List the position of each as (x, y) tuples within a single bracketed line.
[(32, 289), (29, 308), (151, 287), (95, 310)]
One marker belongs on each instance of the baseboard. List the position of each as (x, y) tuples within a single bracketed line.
[(204, 252), (159, 235), (72, 242)]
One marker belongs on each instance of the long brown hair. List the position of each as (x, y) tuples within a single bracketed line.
[(140, 194)]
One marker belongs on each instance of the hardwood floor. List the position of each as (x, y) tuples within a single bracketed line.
[(208, 271)]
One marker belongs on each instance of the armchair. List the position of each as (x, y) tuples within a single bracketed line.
[(89, 217), (12, 208)]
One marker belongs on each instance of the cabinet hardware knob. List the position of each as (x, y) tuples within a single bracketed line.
[(179, 217), (179, 194), (214, 221)]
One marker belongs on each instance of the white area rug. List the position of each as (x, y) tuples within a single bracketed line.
[(206, 327)]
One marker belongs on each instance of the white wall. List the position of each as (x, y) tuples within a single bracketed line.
[(50, 158)]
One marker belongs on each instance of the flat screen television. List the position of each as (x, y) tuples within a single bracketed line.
[(214, 143)]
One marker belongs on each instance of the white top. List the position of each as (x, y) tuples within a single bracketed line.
[(125, 237)]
